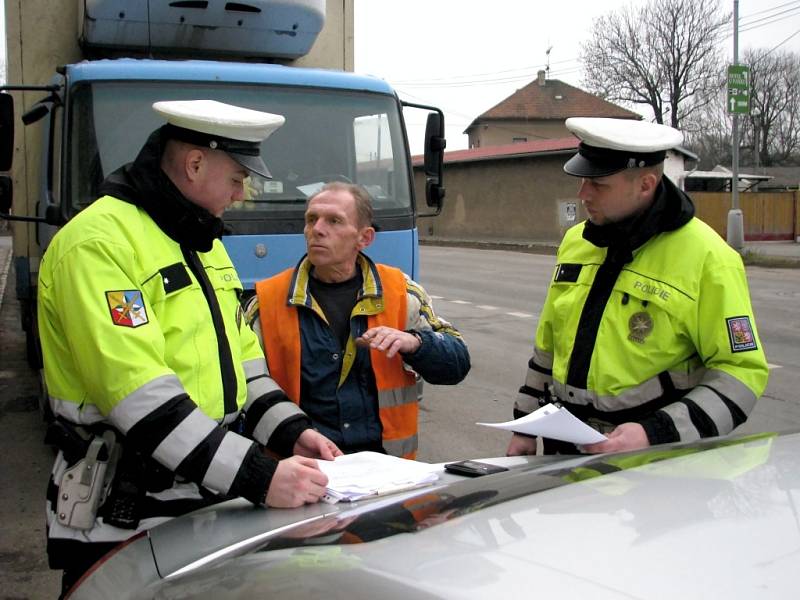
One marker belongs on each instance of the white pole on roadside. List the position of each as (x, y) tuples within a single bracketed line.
[(735, 220)]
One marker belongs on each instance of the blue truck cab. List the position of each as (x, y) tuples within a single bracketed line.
[(97, 114)]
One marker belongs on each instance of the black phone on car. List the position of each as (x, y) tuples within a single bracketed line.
[(472, 468)]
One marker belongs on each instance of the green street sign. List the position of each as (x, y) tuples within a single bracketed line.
[(738, 89)]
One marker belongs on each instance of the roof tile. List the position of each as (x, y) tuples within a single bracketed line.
[(554, 100)]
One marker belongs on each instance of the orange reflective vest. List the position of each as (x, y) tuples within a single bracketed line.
[(397, 397)]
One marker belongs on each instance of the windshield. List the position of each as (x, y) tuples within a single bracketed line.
[(328, 135)]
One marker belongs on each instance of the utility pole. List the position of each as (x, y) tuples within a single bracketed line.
[(735, 220)]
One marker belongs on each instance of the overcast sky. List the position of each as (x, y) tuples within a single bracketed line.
[(465, 56)]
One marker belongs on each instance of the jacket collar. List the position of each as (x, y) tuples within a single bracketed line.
[(671, 209), (370, 296), (144, 184)]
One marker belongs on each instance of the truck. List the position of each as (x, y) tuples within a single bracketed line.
[(86, 96)]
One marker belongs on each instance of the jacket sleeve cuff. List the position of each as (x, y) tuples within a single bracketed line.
[(517, 415), (660, 428), (254, 476), (421, 339), (282, 441), (442, 359)]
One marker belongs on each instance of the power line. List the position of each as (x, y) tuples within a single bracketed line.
[(771, 19), (445, 79), (759, 12), (782, 43), (499, 77)]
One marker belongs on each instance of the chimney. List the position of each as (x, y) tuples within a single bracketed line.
[(540, 77)]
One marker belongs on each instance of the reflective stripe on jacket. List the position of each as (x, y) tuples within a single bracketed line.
[(280, 328)]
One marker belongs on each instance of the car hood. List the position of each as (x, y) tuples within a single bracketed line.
[(721, 522)]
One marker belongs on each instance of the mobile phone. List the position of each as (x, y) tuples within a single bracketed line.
[(472, 468)]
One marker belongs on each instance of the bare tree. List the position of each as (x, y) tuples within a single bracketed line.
[(664, 54), (771, 130), (708, 133), (773, 126)]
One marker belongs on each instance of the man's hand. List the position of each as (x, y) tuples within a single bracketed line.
[(521, 445), (628, 436), (389, 340), (296, 481), (313, 444)]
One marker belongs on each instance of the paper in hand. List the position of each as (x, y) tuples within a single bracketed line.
[(555, 423)]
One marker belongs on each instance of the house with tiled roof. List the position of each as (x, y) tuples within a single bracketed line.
[(538, 111)]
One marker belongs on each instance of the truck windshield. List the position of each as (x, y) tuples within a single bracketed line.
[(328, 135)]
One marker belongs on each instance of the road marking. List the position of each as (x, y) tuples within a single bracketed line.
[(771, 366), (519, 315)]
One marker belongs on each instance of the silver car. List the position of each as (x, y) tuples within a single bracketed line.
[(713, 519)]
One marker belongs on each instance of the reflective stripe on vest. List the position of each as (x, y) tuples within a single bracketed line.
[(397, 397)]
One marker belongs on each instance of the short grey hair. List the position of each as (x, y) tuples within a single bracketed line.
[(364, 211)]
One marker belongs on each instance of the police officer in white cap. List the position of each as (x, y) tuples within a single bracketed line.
[(647, 333), (158, 386)]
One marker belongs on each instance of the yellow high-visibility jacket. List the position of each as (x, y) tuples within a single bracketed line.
[(148, 337), (676, 350)]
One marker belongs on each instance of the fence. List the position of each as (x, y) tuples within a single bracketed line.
[(766, 215)]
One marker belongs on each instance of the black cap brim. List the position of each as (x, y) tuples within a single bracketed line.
[(580, 166), (591, 161), (254, 164)]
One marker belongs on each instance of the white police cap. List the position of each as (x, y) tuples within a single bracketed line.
[(611, 145), (235, 130)]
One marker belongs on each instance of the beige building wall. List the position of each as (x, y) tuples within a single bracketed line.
[(37, 41), (519, 200), (501, 132), (530, 200)]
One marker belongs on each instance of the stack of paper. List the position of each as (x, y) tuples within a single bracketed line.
[(355, 476), (553, 422)]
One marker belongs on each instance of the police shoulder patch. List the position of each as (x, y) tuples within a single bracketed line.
[(127, 308), (740, 333)]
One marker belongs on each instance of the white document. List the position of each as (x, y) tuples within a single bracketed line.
[(553, 422), (355, 476)]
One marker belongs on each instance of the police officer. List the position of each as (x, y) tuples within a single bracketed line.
[(647, 332), (161, 391)]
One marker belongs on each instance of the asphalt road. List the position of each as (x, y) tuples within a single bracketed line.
[(494, 297)]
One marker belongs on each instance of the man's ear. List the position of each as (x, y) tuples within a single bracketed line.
[(648, 183), (365, 237), (194, 163)]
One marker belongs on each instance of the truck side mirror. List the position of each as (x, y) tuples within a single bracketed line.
[(434, 157), (6, 131)]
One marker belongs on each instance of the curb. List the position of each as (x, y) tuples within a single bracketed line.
[(528, 247), (755, 257)]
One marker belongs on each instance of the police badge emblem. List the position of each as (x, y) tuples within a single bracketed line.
[(127, 308), (740, 333), (640, 325)]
